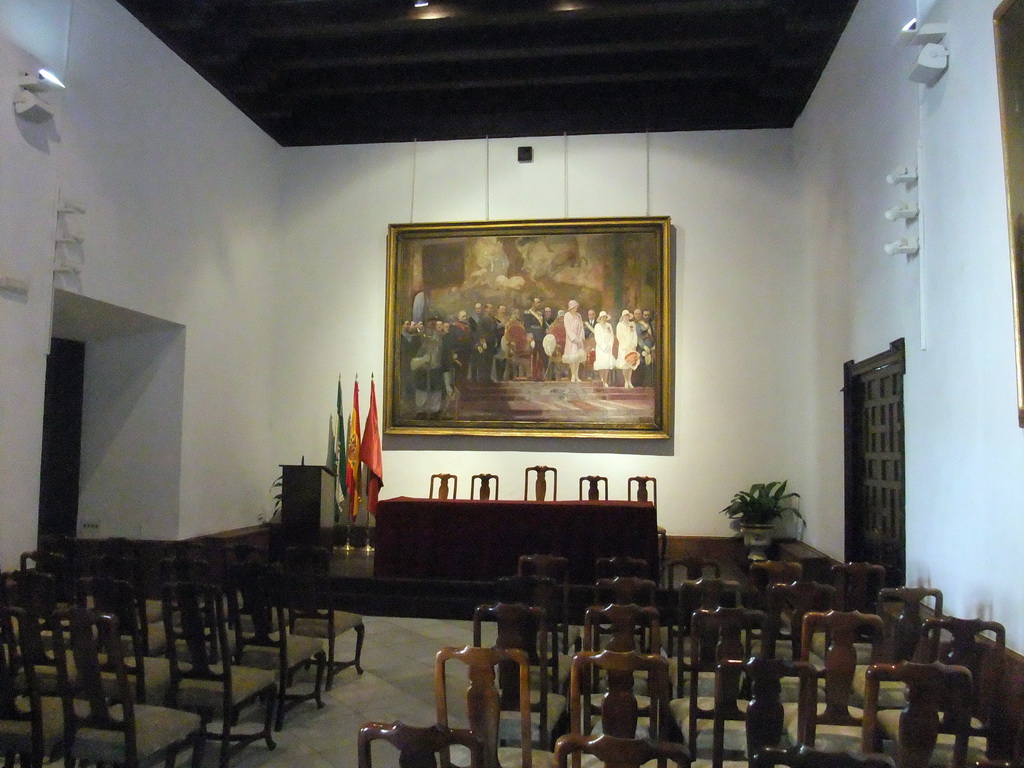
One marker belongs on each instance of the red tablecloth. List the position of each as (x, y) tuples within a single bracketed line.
[(482, 540)]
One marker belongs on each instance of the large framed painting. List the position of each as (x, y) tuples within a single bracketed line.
[(1009, 30), (539, 328)]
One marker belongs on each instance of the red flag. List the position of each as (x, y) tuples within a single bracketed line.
[(352, 456), (370, 453)]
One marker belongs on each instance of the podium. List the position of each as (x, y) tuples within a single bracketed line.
[(307, 506)]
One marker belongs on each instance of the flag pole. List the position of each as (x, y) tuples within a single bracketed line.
[(369, 454), (339, 481)]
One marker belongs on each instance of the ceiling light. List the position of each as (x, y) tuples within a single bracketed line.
[(421, 4)]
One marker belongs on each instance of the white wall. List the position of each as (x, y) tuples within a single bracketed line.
[(180, 191), (739, 299), (28, 181), (952, 303)]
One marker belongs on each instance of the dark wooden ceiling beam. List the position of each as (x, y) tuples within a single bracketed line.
[(518, 53), (701, 10), (534, 82)]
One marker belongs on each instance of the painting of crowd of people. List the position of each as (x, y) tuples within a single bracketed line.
[(546, 325)]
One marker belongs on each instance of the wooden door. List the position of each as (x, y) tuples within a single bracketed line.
[(62, 439), (875, 478)]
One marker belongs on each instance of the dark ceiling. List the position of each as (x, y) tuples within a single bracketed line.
[(312, 72)]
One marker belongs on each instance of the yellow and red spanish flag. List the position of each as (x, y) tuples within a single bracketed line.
[(370, 453), (352, 456)]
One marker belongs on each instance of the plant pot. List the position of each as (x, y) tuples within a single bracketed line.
[(757, 539)]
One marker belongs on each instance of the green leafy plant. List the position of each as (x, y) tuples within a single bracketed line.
[(275, 491), (763, 504)]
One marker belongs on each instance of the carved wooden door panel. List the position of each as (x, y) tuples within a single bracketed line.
[(874, 444)]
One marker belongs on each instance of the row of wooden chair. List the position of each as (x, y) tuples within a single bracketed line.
[(946, 640), (627, 721), (484, 486), (221, 647)]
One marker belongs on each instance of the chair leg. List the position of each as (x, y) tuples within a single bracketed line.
[(281, 688), (268, 734), (331, 669), (360, 634), (198, 747), (225, 741), (321, 664)]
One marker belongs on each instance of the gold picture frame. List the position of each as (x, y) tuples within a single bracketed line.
[(470, 349), (1009, 33)]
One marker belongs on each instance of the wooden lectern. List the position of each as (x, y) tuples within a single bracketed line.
[(307, 506)]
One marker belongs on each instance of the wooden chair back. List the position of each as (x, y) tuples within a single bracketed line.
[(857, 586), (937, 696), (556, 568), (552, 566), (621, 753), (182, 566), (621, 627), (646, 489), (596, 488), (708, 593), (802, 756), (716, 636), (625, 590), (524, 627), (902, 609), (785, 608), (540, 487), (614, 673), (539, 592), (202, 668), (20, 704), (89, 652), (978, 645), (480, 487), (764, 714), (689, 568), (842, 629), (447, 486), (56, 563), (117, 598), (483, 698), (621, 565), (418, 747), (102, 722), (765, 572), (32, 589)]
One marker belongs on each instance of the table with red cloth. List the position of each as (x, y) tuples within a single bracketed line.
[(482, 540)]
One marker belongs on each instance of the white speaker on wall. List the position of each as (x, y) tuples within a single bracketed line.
[(932, 64)]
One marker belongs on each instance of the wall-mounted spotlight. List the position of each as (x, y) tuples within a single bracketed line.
[(903, 245), (28, 101), (901, 174), (41, 81), (902, 211), (922, 34)]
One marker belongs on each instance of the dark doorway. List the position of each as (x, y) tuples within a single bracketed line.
[(875, 477), (62, 439)]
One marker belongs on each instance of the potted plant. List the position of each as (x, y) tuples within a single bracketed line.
[(755, 511)]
